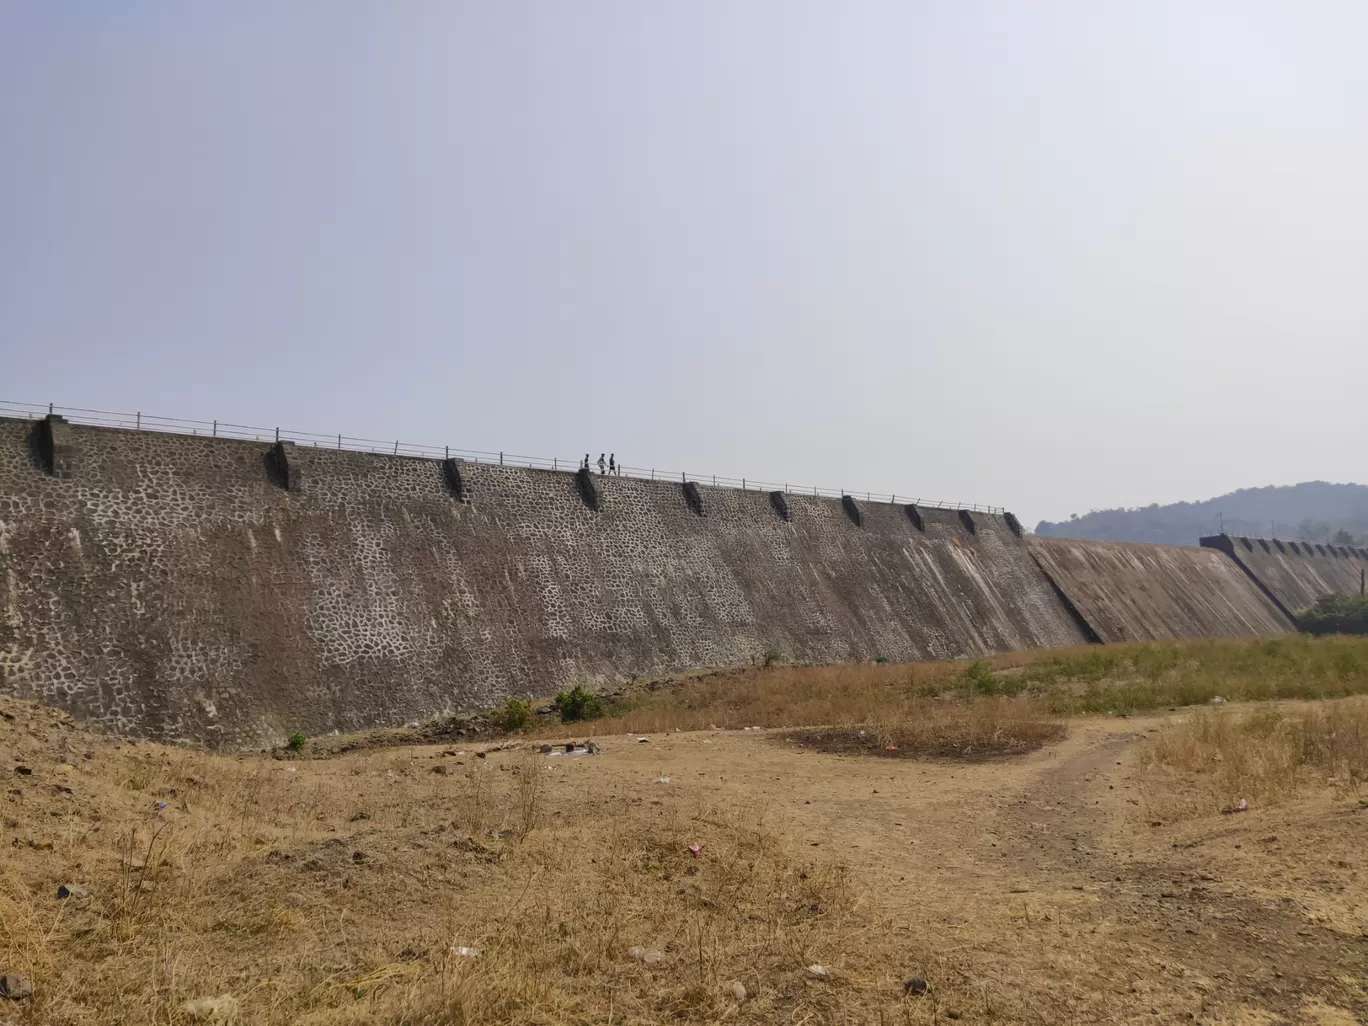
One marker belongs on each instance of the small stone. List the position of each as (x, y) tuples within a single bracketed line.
[(915, 986), (645, 956), (546, 749), (950, 1013), (296, 899), (23, 771), (738, 990), (15, 987), (72, 891), (819, 972), (441, 770), (1218, 700), (222, 1009)]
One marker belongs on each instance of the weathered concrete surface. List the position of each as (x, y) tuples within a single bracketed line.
[(1136, 592), (184, 586), (1295, 574)]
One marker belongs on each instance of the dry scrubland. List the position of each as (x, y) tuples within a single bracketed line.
[(1041, 859)]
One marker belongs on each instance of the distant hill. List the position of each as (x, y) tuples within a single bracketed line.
[(1312, 511)]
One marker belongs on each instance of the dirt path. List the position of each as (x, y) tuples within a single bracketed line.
[(1047, 883), (1048, 888), (1217, 940)]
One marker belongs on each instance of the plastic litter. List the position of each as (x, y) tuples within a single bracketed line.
[(738, 990), (819, 972), (662, 780), (643, 740), (160, 805), (461, 951), (644, 955), (695, 848)]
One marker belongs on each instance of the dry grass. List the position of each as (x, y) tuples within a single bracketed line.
[(342, 890), (1111, 679), (1267, 756), (339, 891), (979, 729)]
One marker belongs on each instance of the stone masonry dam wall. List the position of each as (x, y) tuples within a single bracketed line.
[(179, 586), (188, 587), (1135, 592), (1295, 574)]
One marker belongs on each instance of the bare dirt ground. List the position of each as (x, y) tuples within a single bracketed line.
[(1073, 884)]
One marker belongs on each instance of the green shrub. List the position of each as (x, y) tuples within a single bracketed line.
[(1336, 614), (513, 714), (979, 677), (578, 704), (770, 657), (297, 741)]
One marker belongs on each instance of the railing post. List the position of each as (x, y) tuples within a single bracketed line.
[(277, 434), (743, 484), (216, 428), (555, 465), (138, 421), (501, 459), (448, 452), (49, 409), (396, 447)]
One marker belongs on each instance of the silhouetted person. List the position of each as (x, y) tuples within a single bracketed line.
[(586, 461), (602, 465), (612, 463)]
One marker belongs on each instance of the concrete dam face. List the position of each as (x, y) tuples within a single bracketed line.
[(181, 586)]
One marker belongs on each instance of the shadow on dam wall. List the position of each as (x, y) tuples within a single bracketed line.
[(180, 586)]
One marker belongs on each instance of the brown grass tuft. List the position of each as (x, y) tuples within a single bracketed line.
[(1267, 756)]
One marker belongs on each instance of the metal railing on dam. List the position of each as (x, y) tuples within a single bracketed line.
[(139, 421)]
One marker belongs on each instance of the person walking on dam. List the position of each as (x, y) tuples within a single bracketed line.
[(602, 465), (586, 461), (612, 463)]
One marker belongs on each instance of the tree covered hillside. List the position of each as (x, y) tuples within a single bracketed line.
[(1311, 511)]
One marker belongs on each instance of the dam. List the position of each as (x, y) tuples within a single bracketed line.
[(184, 586)]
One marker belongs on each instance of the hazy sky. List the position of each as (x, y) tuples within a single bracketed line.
[(1055, 256)]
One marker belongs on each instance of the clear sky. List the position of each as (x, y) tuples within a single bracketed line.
[(1050, 255)]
